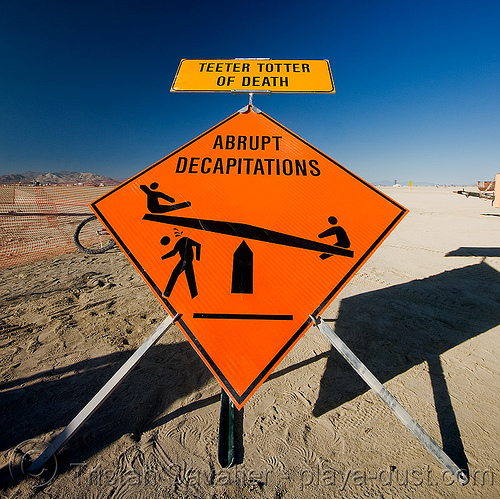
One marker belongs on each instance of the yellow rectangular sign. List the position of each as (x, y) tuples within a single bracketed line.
[(253, 75)]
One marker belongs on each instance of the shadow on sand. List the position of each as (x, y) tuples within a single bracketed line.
[(390, 330), (395, 328), (50, 400), (164, 375), (472, 251)]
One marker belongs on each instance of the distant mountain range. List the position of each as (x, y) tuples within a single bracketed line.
[(63, 177)]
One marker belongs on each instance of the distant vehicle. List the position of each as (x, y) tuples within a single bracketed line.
[(486, 185), (488, 189)]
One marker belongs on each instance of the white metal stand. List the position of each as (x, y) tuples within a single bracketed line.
[(429, 444), (101, 396)]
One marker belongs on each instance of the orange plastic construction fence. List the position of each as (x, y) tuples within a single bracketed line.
[(37, 222)]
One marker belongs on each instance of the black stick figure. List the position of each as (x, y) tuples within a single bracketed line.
[(153, 202), (336, 230), (184, 247)]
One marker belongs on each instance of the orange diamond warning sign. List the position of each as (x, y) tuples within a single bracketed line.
[(246, 231)]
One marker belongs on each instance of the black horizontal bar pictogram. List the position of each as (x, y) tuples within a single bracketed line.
[(262, 317)]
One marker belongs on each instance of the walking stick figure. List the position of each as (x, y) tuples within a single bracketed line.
[(153, 202), (185, 247)]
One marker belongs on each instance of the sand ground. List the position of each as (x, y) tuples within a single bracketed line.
[(423, 314)]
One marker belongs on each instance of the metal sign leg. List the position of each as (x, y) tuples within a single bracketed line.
[(429, 444), (100, 396), (226, 430)]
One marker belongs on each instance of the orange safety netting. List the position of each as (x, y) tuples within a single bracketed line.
[(39, 221)]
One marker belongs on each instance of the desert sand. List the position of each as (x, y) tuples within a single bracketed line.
[(423, 314)]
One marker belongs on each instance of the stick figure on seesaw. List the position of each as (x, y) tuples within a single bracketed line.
[(153, 202)]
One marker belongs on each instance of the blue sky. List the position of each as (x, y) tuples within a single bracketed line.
[(84, 86)]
